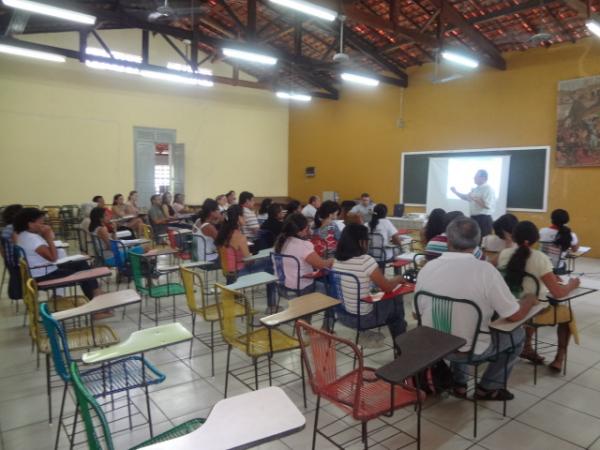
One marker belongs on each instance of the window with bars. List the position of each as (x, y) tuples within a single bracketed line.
[(162, 178)]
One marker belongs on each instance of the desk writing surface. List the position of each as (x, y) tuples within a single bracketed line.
[(75, 278), (242, 421), (262, 254), (139, 342), (251, 280), (575, 293), (300, 307), (100, 303), (71, 258), (133, 242), (507, 326)]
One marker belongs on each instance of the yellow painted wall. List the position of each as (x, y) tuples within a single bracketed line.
[(355, 144), (66, 131)]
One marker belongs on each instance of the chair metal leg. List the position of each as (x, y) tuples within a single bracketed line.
[(505, 381), (48, 387), (364, 434), (193, 333), (303, 381), (212, 349), (475, 404), (255, 373), (72, 437), (269, 362), (535, 364), (227, 369), (314, 441), (156, 309), (173, 309), (3, 277), (60, 415), (148, 408)]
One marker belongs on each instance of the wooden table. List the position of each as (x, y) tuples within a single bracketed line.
[(418, 349), (77, 277), (101, 303), (299, 307), (241, 422), (140, 342)]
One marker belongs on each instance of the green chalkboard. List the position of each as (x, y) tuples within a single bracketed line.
[(526, 178)]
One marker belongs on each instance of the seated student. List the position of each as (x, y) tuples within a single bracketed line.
[(515, 262), (558, 239), (37, 240), (325, 233), (8, 216), (292, 207), (310, 210), (169, 212), (250, 226), (230, 197), (131, 206), (119, 210), (179, 205), (380, 224), (364, 207), (457, 274), (271, 228), (233, 248), (99, 228), (263, 211), (221, 200), (351, 257), (158, 220), (345, 208), (493, 244), (439, 244), (206, 226), (434, 226), (293, 241)]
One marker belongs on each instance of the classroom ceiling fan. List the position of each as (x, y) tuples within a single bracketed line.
[(341, 57), (166, 12)]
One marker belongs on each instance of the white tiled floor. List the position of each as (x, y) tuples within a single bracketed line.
[(557, 413)]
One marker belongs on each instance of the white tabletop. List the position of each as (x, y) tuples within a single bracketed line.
[(262, 254), (61, 244), (134, 242), (243, 421), (251, 280), (100, 303), (70, 258), (187, 265), (506, 326)]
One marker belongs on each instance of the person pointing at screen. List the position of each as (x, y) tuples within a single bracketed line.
[(481, 202)]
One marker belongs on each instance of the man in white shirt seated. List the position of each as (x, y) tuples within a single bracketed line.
[(310, 210), (364, 207), (482, 201), (459, 275)]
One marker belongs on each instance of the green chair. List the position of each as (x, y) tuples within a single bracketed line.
[(88, 408), (146, 282)]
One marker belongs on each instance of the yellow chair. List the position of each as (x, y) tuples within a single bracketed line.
[(194, 286), (149, 234), (54, 218), (83, 338), (238, 332)]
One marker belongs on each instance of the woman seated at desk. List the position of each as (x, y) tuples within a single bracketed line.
[(37, 241), (170, 212), (99, 228), (325, 233), (493, 244), (233, 249), (381, 225), (515, 262), (558, 240), (206, 226), (119, 210), (351, 257)]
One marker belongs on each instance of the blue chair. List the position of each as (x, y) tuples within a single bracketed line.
[(278, 263), (11, 253), (112, 377), (121, 263)]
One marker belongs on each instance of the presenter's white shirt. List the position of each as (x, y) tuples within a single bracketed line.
[(486, 193)]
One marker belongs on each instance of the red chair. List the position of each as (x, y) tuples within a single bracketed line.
[(174, 237), (356, 391)]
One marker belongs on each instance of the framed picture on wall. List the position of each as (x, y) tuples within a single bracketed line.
[(578, 130)]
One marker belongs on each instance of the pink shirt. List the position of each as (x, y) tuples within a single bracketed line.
[(300, 249)]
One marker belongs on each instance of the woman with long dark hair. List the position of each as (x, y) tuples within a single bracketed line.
[(325, 233), (119, 209), (263, 211), (515, 262), (99, 227), (271, 228), (493, 244), (206, 226), (233, 248), (434, 226), (381, 225), (558, 239), (351, 257)]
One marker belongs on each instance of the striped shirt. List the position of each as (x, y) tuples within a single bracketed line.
[(362, 267), (439, 244), (250, 228)]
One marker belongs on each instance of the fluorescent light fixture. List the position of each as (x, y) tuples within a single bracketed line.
[(173, 78), (100, 65), (250, 56), (94, 51), (186, 68), (308, 8), (594, 26), (294, 96), (47, 10), (460, 59), (359, 79), (21, 51)]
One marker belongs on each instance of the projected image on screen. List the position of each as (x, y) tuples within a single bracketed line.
[(462, 170)]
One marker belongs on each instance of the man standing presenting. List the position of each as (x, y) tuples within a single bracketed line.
[(482, 200)]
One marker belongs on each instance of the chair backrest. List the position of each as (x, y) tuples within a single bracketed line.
[(61, 357), (342, 286), (192, 284), (264, 239), (172, 236), (11, 253), (135, 262), (444, 310), (553, 252), (232, 327), (321, 353), (293, 265), (30, 297), (88, 408), (517, 291), (148, 233), (98, 248), (118, 250), (199, 247), (224, 256), (377, 246), (83, 240)]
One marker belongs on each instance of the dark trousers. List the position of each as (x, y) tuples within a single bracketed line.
[(64, 270), (485, 223)]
